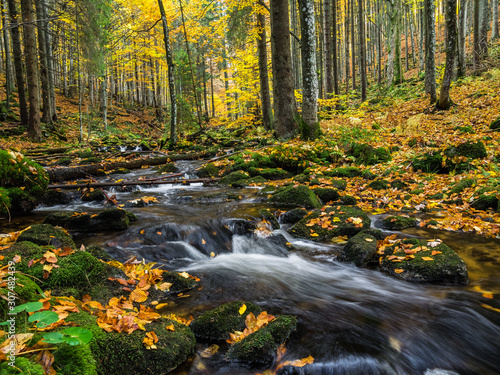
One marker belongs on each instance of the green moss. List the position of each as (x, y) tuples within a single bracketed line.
[(109, 219), (249, 181), (46, 234), (398, 184), (98, 252), (327, 195), (495, 125), (338, 184), (340, 223), (260, 347), (23, 366), (360, 250), (398, 222), (379, 185), (344, 172), (485, 202), (74, 360), (294, 215), (179, 283), (368, 155), (273, 173), (301, 178), (469, 149), (120, 353), (368, 175), (233, 177), (462, 185), (208, 170), (300, 196), (216, 324), (270, 218), (443, 267), (168, 168)]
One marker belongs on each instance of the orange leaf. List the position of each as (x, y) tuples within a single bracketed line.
[(435, 252), (170, 327), (138, 295), (427, 258), (399, 270)]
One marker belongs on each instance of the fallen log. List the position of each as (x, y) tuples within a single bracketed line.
[(74, 173), (46, 151), (137, 182)]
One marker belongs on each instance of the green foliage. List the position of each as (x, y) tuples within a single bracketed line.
[(23, 366), (300, 196)]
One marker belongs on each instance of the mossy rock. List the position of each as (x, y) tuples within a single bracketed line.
[(327, 194), (360, 250), (377, 233), (77, 270), (300, 196), (292, 216), (257, 180), (443, 267), (218, 198), (270, 218), (25, 290), (398, 222), (469, 149), (379, 185), (23, 366), (74, 360), (218, 323), (208, 170), (98, 252), (484, 202), (368, 155), (348, 200), (54, 197), (120, 171), (271, 173), (338, 184), (46, 234), (341, 220), (368, 175), (301, 178), (167, 168), (430, 162), (398, 184), (179, 283), (125, 354), (347, 172), (495, 125), (233, 177), (109, 219), (462, 185), (259, 348), (85, 153), (93, 195)]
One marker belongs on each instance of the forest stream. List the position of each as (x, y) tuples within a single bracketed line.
[(350, 320)]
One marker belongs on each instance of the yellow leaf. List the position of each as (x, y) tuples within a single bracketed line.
[(314, 234), (161, 306), (242, 309), (210, 351), (170, 327), (427, 258), (212, 254), (203, 242), (435, 252), (399, 270), (369, 239), (138, 295), (184, 274)]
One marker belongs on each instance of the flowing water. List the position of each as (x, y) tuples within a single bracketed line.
[(351, 320)]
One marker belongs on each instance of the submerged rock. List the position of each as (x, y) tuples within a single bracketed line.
[(109, 219), (259, 348), (300, 196), (334, 221), (360, 250), (423, 261), (217, 324)]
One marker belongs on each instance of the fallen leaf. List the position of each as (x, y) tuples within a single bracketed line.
[(427, 259), (399, 270)]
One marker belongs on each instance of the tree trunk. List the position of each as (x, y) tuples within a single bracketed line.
[(34, 126), (362, 50), (494, 16), (347, 54), (430, 45), (451, 47), (334, 48), (462, 32), (42, 51), (310, 126), (353, 47), (171, 82), (327, 41), (8, 61), (267, 113), (18, 63), (284, 98), (485, 26)]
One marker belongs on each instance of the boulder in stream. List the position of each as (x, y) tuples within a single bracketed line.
[(46, 234), (423, 261), (259, 348), (298, 196), (330, 222), (217, 324), (109, 219), (398, 222), (360, 250)]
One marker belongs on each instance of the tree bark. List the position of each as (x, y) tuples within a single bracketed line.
[(334, 48), (451, 47), (170, 69), (8, 61), (42, 52), (265, 95), (310, 127), (284, 98), (327, 41), (34, 126), (430, 45), (462, 32), (353, 46), (18, 63), (362, 50), (494, 16)]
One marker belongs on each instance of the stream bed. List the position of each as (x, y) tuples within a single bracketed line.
[(351, 320)]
